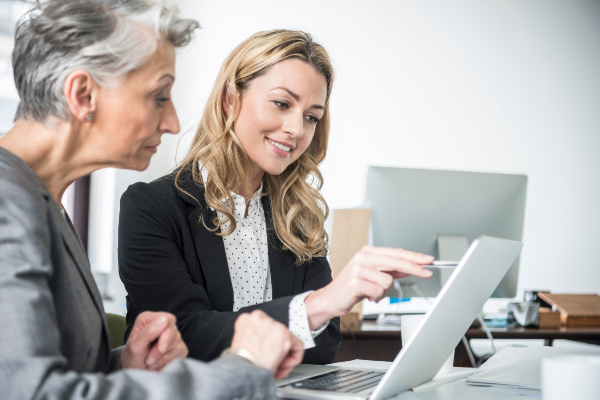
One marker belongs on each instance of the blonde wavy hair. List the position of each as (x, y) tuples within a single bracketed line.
[(298, 209)]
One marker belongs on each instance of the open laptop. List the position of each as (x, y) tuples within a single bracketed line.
[(455, 308)]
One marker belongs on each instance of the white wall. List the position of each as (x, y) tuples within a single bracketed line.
[(9, 98), (495, 86)]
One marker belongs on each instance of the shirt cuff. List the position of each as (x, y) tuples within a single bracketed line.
[(298, 321)]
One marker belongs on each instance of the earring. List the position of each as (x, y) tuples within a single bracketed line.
[(88, 117)]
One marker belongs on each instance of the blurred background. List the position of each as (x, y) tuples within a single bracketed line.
[(498, 86)]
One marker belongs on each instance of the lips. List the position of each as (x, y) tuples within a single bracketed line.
[(281, 145), (276, 148)]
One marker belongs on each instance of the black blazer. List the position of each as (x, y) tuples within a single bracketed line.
[(168, 261)]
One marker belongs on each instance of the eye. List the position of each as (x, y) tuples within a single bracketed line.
[(311, 119), (160, 101), (281, 104)]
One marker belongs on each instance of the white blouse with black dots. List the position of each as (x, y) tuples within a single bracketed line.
[(247, 254)]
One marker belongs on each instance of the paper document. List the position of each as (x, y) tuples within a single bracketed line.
[(537, 394), (519, 367)]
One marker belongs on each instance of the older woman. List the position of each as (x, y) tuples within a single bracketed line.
[(240, 225), (94, 79)]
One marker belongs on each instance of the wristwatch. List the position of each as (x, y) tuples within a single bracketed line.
[(242, 353)]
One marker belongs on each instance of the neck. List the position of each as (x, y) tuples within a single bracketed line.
[(256, 175), (58, 156)]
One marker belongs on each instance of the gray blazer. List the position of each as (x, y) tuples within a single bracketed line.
[(53, 332)]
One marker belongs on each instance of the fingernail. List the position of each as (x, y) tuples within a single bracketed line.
[(162, 321), (151, 361), (428, 273), (427, 258)]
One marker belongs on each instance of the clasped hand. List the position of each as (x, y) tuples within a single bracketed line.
[(154, 342), (269, 341)]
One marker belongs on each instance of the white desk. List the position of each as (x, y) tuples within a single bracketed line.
[(449, 386), (460, 390)]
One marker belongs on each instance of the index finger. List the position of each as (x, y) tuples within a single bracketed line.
[(149, 317), (168, 339), (417, 258), (393, 265)]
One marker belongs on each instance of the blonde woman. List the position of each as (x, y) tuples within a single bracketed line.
[(239, 226)]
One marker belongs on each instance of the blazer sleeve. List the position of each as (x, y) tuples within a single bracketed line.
[(327, 343), (114, 360), (158, 277), (31, 363)]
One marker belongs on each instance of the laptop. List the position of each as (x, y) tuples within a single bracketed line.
[(454, 309)]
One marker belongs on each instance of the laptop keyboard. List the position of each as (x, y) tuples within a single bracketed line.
[(341, 380)]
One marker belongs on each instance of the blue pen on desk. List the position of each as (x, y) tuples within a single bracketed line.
[(394, 300)]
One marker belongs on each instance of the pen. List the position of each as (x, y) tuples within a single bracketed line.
[(449, 264)]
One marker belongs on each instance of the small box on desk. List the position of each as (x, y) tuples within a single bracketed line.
[(576, 310), (548, 318)]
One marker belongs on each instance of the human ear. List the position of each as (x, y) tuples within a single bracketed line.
[(79, 91), (227, 102)]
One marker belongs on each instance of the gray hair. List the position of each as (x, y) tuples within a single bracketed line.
[(107, 38)]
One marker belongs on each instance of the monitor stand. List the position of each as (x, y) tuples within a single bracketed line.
[(451, 247)]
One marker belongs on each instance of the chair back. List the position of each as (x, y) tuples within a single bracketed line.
[(116, 330)]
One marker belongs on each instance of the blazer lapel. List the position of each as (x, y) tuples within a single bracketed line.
[(213, 260), (69, 237), (78, 254), (282, 263), (209, 246)]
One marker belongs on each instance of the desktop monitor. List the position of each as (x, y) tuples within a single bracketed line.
[(441, 213)]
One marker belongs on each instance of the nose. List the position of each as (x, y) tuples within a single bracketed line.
[(293, 125), (170, 121)]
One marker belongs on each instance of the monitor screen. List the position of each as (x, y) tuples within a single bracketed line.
[(411, 207)]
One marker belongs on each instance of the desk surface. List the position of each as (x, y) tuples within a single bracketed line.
[(460, 390)]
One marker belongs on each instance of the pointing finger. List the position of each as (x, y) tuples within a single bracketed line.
[(417, 258), (382, 279), (387, 263)]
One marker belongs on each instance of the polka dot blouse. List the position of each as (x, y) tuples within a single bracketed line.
[(247, 254)]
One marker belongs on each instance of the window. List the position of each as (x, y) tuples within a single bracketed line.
[(10, 12)]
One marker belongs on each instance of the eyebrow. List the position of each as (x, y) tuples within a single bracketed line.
[(167, 76), (297, 97)]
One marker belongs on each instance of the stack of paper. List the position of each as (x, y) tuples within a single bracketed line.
[(518, 368)]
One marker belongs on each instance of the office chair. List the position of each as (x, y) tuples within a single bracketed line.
[(116, 330)]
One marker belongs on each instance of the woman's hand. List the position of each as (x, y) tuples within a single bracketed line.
[(369, 274), (270, 342), (153, 343)]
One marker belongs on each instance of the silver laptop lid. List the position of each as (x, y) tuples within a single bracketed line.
[(454, 309)]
